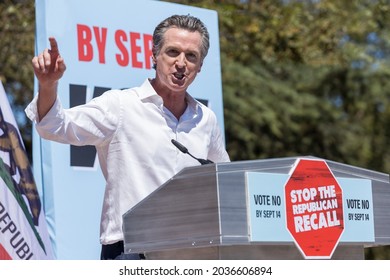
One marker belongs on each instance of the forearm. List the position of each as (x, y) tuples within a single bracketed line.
[(46, 98), (48, 67)]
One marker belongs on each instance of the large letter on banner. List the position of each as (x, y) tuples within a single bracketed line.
[(105, 44), (23, 231)]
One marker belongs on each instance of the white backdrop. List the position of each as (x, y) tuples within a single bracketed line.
[(104, 44)]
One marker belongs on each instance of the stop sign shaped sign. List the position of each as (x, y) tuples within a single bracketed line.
[(314, 208)]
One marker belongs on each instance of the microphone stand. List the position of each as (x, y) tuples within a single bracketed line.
[(185, 151)]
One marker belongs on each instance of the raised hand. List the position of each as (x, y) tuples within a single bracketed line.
[(49, 66)]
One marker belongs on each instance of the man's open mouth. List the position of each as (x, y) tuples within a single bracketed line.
[(179, 76)]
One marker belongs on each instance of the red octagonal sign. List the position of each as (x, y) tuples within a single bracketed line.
[(314, 208)]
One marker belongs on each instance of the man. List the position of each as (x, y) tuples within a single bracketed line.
[(132, 129)]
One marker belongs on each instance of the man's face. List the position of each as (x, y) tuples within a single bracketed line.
[(179, 60)]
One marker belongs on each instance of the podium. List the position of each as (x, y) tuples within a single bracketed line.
[(207, 212)]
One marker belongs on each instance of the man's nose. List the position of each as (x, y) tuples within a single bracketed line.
[(181, 60)]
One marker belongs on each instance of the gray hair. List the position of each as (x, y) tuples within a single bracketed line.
[(186, 22)]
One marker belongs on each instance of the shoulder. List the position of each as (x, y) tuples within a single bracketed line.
[(113, 100), (120, 92), (113, 95), (200, 106), (207, 112)]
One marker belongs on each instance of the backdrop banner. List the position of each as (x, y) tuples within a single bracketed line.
[(105, 44)]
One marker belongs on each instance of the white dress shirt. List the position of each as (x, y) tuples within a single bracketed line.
[(132, 132)]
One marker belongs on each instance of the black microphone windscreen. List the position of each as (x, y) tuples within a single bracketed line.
[(179, 146)]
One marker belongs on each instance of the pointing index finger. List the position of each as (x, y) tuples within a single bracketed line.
[(53, 46)]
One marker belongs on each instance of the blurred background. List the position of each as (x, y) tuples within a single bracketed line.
[(309, 77)]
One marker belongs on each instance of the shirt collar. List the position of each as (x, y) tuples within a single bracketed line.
[(147, 93)]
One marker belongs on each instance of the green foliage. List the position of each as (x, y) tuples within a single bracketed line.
[(17, 31), (306, 78)]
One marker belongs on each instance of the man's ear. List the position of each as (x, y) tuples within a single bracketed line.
[(154, 60), (200, 67)]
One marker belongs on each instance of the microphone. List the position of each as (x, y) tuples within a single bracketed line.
[(184, 150)]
